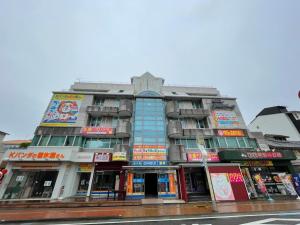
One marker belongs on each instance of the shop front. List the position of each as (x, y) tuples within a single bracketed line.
[(266, 174), (151, 182), (109, 177), (33, 173)]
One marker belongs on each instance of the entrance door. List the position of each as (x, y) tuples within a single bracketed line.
[(151, 185)]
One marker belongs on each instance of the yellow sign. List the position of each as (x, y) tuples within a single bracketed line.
[(119, 156), (84, 167)]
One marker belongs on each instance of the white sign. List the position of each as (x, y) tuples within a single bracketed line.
[(264, 147), (83, 157), (47, 183), (102, 157), (20, 178)]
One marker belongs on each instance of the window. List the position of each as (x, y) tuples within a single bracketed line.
[(103, 122), (197, 104), (241, 142), (208, 143), (253, 143), (232, 143), (35, 140), (222, 142), (44, 140), (57, 141), (78, 141), (69, 141), (99, 101), (200, 124), (101, 142), (188, 143), (121, 91), (174, 93)]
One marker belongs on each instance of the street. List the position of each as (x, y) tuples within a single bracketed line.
[(291, 218)]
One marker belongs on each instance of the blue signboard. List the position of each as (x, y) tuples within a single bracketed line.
[(296, 179)]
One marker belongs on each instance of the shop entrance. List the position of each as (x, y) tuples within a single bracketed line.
[(196, 184), (151, 185)]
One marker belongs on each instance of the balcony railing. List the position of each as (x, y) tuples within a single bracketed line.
[(173, 111), (174, 129), (123, 129)]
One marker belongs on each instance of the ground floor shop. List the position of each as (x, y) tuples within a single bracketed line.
[(151, 183), (266, 174)]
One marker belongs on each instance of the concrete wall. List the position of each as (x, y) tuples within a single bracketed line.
[(278, 124)]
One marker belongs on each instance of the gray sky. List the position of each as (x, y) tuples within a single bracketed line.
[(247, 49)]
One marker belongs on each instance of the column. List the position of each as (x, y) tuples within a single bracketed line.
[(182, 184), (88, 194)]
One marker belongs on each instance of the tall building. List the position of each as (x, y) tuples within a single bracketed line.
[(2, 136), (135, 141)]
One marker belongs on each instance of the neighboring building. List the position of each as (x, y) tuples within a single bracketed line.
[(14, 144), (2, 136), (143, 139), (279, 121)]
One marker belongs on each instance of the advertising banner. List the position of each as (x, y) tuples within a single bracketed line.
[(287, 182), (96, 130), (119, 156), (231, 133), (63, 110), (172, 183), (83, 157), (222, 187), (296, 179), (102, 157), (197, 157), (225, 119), (85, 167), (149, 155), (129, 183), (260, 183)]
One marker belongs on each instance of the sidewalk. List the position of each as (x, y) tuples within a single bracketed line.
[(144, 210)]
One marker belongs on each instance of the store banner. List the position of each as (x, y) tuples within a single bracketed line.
[(129, 184), (296, 179), (228, 183), (149, 155), (83, 157), (222, 187), (102, 157), (85, 168), (231, 133), (63, 110), (119, 156), (172, 183), (256, 163), (96, 130), (197, 157), (225, 119), (287, 182), (37, 155)]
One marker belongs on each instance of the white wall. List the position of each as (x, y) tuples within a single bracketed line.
[(275, 124)]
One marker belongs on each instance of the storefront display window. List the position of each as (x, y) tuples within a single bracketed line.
[(104, 180), (138, 183), (163, 183), (84, 182), (31, 184)]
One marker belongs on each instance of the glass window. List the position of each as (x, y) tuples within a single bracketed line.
[(253, 143), (44, 140), (69, 141), (191, 143), (232, 143), (35, 140), (242, 143), (200, 124), (208, 143), (78, 141), (99, 101), (57, 141), (222, 142), (197, 104)]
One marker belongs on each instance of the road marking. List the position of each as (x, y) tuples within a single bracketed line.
[(177, 219), (258, 222)]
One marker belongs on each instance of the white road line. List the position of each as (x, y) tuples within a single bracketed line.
[(259, 222), (177, 219)]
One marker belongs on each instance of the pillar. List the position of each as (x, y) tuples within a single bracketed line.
[(182, 184)]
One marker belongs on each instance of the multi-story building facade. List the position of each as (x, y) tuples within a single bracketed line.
[(138, 140)]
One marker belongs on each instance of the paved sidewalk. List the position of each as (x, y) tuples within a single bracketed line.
[(144, 210)]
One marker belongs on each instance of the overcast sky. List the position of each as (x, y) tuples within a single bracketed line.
[(247, 49)]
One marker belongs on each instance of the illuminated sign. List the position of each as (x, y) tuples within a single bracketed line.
[(96, 130), (37, 155), (231, 133), (267, 155), (85, 167), (235, 177), (197, 157), (225, 119), (149, 155)]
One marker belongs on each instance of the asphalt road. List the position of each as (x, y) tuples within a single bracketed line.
[(290, 218)]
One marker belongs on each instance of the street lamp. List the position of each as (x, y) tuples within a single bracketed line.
[(200, 146)]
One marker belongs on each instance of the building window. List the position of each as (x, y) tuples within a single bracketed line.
[(242, 142), (57, 141), (99, 101), (201, 123), (197, 104), (253, 143), (35, 140), (232, 143), (103, 122), (208, 143), (69, 141), (101, 142), (188, 143), (44, 140)]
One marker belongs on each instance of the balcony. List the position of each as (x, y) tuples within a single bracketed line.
[(123, 129), (126, 108), (96, 110), (174, 129), (194, 132), (173, 111), (177, 153)]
